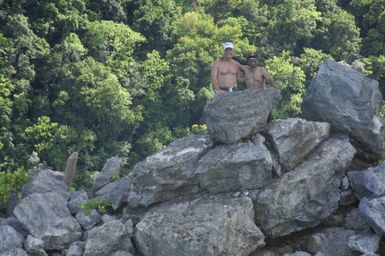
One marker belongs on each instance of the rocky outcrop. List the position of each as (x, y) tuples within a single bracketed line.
[(47, 218), (347, 100), (169, 173), (9, 238), (236, 167), (110, 169), (294, 138), (216, 225), (307, 195), (233, 116)]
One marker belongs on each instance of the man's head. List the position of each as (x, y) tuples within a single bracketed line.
[(228, 50), (252, 60)]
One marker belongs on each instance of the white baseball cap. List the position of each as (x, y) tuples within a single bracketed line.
[(228, 45)]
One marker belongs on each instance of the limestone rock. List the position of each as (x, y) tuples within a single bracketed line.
[(115, 192), (374, 212), (364, 243), (215, 225), (110, 168), (107, 239), (233, 116), (368, 183), (307, 195), (14, 252), (47, 218), (236, 167), (34, 246), (294, 138), (76, 199), (330, 242), (75, 249), (9, 238), (349, 101), (43, 182), (88, 221), (355, 220), (168, 174)]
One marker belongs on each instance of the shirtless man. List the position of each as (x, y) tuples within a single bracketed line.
[(255, 76), (225, 71)]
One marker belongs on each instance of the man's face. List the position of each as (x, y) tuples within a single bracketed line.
[(252, 62), (228, 53)]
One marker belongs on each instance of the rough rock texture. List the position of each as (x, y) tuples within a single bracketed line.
[(349, 101), (307, 195), (107, 239), (236, 167), (47, 218), (374, 212), (355, 220), (75, 249), (15, 223), (45, 183), (368, 183), (233, 116), (294, 138), (216, 225), (34, 246), (169, 173), (9, 238), (110, 168), (330, 242), (364, 243), (115, 192), (14, 252), (76, 199), (88, 221)]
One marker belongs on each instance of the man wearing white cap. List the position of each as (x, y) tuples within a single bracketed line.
[(225, 71)]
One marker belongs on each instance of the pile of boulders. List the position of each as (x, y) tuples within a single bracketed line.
[(250, 186)]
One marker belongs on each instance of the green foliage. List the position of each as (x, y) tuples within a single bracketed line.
[(11, 182), (99, 205)]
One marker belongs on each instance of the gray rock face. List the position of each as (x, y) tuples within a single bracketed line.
[(14, 223), (47, 218), (236, 167), (110, 168), (374, 212), (356, 220), (9, 238), (88, 221), (233, 116), (349, 101), (307, 195), (115, 192), (169, 173), (368, 183), (107, 239), (75, 249), (330, 242), (77, 198), (14, 252), (43, 182), (364, 243), (215, 225), (34, 246), (294, 138)]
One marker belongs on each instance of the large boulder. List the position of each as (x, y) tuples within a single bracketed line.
[(104, 240), (169, 173), (233, 116), (110, 169), (47, 218), (215, 225), (307, 195), (349, 101), (236, 167), (115, 192), (294, 138)]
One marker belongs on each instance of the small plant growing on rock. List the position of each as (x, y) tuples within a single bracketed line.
[(99, 205), (11, 182)]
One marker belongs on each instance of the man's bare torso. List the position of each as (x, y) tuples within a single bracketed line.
[(227, 73), (254, 77)]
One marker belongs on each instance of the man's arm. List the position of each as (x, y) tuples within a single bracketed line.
[(268, 77), (214, 76), (241, 73)]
